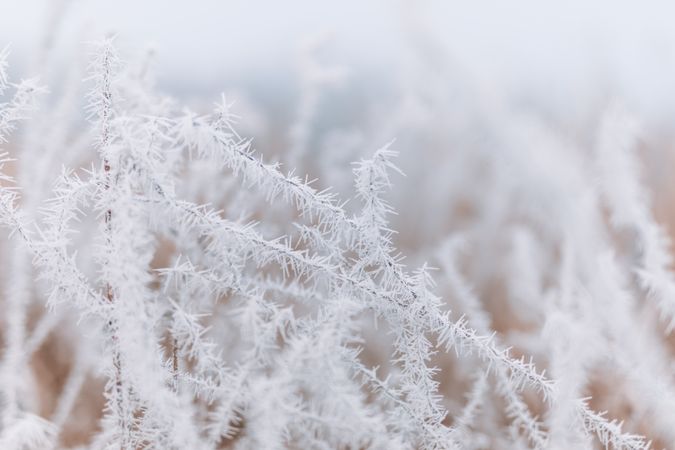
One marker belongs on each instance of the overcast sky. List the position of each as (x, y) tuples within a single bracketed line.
[(524, 43)]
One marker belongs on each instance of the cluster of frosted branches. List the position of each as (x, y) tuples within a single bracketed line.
[(206, 330)]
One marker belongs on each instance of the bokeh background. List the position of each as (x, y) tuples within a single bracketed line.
[(339, 79)]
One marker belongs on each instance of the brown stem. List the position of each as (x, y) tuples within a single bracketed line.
[(174, 355), (110, 296)]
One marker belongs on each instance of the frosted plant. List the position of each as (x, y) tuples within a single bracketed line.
[(205, 329)]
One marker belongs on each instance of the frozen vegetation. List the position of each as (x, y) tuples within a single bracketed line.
[(166, 286)]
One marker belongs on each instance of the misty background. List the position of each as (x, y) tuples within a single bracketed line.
[(562, 56), (331, 82)]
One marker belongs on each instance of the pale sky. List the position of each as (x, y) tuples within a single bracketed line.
[(520, 44)]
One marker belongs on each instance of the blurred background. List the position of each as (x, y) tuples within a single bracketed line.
[(343, 78), (346, 77), (560, 57)]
